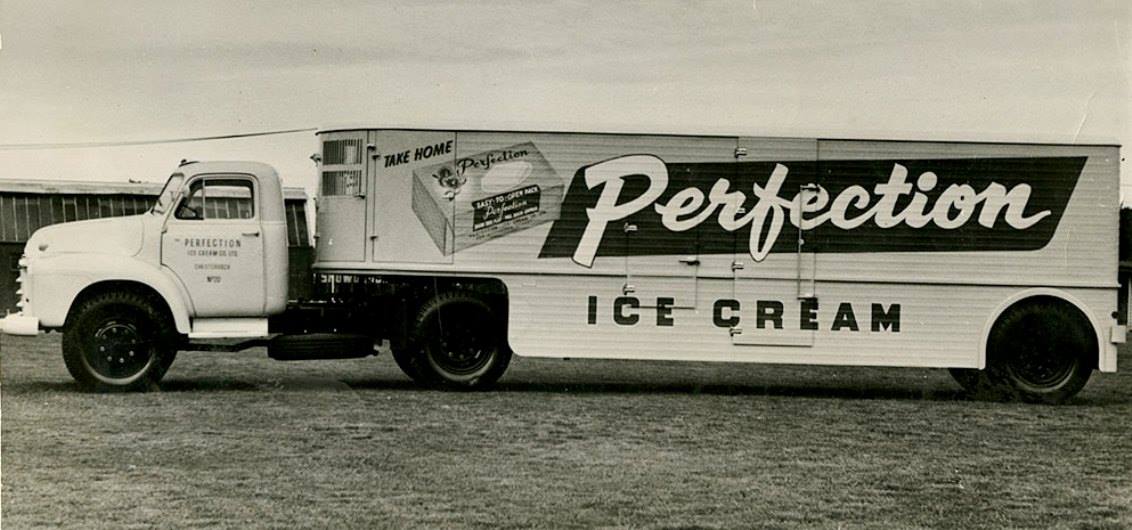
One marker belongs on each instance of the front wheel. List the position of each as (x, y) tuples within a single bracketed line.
[(458, 342), (118, 341)]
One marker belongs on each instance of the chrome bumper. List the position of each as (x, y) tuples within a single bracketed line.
[(18, 324)]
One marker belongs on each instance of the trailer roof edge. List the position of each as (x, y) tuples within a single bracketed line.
[(350, 127)]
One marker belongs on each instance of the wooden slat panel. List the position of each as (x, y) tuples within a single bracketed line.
[(33, 215), (21, 217), (7, 218), (58, 214)]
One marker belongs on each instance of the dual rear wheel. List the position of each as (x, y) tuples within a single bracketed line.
[(457, 340)]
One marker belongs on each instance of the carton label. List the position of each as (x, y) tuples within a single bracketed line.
[(505, 207)]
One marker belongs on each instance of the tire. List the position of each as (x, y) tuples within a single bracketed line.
[(405, 359), (1041, 352), (978, 384), (315, 346), (458, 342), (119, 341)]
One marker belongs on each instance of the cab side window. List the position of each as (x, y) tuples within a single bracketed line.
[(218, 198)]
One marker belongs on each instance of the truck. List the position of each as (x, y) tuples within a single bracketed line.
[(461, 248)]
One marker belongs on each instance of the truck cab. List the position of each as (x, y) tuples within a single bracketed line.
[(208, 260)]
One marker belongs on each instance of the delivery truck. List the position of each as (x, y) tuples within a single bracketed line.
[(460, 248)]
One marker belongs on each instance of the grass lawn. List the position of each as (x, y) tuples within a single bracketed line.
[(238, 439)]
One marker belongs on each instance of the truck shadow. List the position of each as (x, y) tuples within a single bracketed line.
[(868, 392), (625, 388)]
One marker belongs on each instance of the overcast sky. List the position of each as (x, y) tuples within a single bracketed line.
[(120, 71)]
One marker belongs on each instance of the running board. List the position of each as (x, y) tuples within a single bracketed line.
[(229, 328)]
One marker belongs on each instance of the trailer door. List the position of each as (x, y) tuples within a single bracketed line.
[(416, 187), (341, 203), (774, 268), (664, 268)]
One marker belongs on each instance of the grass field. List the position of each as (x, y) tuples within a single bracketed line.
[(238, 439)]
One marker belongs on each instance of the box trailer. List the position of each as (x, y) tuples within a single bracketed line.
[(996, 260)]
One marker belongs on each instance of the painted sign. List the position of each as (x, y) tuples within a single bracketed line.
[(922, 205), (487, 195)]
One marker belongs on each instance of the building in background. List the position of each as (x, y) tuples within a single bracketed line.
[(27, 205)]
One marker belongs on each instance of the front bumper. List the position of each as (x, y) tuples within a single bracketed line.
[(18, 324)]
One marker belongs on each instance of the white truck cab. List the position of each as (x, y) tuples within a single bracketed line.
[(209, 259)]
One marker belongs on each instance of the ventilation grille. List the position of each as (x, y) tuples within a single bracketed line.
[(342, 152), (341, 183)]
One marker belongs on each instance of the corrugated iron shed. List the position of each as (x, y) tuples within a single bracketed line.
[(27, 205)]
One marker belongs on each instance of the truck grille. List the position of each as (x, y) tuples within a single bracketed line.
[(22, 295)]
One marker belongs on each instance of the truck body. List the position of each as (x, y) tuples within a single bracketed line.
[(629, 246)]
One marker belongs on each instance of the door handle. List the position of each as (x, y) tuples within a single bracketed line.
[(250, 234)]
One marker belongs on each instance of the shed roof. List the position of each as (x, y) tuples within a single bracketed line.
[(84, 187)]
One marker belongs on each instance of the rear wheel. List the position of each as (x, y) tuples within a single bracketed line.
[(458, 342), (405, 359), (977, 383), (118, 341), (1041, 352)]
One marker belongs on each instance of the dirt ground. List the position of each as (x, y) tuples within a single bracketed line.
[(238, 439)]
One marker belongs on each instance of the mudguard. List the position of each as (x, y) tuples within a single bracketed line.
[(58, 281)]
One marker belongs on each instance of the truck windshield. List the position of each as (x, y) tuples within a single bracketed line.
[(165, 198)]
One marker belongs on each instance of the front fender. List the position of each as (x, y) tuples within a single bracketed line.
[(58, 280)]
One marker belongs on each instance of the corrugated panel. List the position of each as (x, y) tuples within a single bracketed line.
[(22, 214), (74, 187), (945, 296), (7, 218), (297, 235), (1082, 251)]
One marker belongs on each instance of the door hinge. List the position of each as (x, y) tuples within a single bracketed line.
[(740, 152), (737, 265), (628, 289), (735, 331)]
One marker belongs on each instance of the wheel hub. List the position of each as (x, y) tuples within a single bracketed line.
[(460, 346), (118, 350)]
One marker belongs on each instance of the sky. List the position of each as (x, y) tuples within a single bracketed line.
[(983, 70)]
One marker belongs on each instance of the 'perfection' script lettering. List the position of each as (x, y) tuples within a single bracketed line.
[(951, 208)]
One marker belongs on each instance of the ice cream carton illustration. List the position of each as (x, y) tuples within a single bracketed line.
[(485, 196)]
